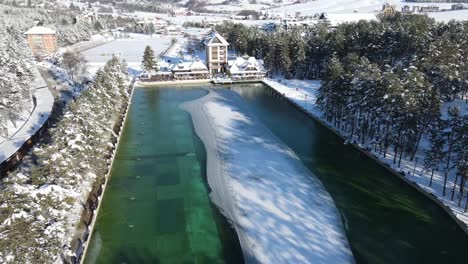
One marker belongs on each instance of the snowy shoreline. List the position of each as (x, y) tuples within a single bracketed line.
[(302, 95), (280, 210)]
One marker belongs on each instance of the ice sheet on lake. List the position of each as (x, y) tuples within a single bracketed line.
[(280, 210)]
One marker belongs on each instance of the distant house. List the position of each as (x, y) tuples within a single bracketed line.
[(179, 12), (216, 52), (425, 9), (246, 68), (302, 23), (458, 6), (89, 17), (172, 30), (388, 10), (406, 9), (42, 40), (159, 24)]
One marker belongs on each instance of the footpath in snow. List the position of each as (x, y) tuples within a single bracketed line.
[(39, 115), (280, 210), (303, 93)]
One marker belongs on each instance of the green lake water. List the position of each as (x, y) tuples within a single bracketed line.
[(386, 220), (156, 208)]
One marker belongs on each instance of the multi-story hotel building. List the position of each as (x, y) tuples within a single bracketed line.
[(216, 53)]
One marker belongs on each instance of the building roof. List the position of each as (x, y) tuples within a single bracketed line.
[(190, 66), (40, 31), (215, 39), (244, 64)]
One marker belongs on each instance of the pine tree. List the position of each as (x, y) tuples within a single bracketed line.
[(435, 154), (460, 154), (149, 62), (454, 123)]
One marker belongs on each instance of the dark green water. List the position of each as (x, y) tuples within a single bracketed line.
[(387, 221), (156, 208)]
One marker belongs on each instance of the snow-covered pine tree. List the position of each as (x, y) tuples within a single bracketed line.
[(149, 62), (435, 154), (454, 122), (460, 153)]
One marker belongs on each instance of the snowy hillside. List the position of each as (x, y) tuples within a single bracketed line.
[(312, 7), (41, 201)]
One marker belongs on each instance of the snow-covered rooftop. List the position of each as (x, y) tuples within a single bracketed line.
[(40, 31), (216, 39), (244, 64), (196, 65)]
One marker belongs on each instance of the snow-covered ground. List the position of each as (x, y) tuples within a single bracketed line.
[(450, 15), (348, 6), (131, 49), (96, 40), (280, 210), (338, 10), (303, 94), (351, 7), (41, 209)]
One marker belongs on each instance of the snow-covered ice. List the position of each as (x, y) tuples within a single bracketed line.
[(280, 210)]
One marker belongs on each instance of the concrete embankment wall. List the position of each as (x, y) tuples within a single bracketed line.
[(431, 196)]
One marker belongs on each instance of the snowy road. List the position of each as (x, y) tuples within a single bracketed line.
[(40, 114)]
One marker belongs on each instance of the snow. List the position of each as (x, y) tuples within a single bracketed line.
[(450, 15), (177, 58), (40, 31), (348, 6), (456, 103), (216, 36), (43, 208), (241, 65), (280, 210), (336, 19), (40, 114), (303, 94), (130, 49)]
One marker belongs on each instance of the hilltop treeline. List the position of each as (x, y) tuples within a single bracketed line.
[(383, 82)]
